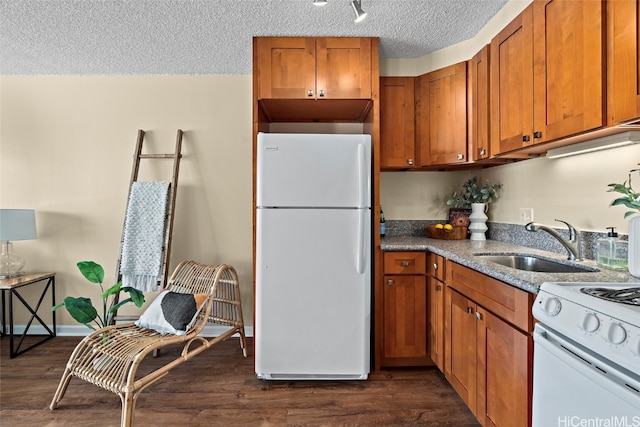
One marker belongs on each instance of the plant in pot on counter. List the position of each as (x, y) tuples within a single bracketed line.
[(82, 309), (473, 192), (477, 196), (630, 198)]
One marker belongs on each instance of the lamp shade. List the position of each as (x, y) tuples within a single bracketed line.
[(17, 224)]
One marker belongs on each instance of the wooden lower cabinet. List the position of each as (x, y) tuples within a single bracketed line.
[(460, 346), (435, 298), (488, 360), (405, 317), (404, 310), (503, 372)]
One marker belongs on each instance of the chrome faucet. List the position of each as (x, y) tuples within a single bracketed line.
[(572, 245)]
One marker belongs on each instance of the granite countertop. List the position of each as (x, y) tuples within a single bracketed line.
[(462, 252)]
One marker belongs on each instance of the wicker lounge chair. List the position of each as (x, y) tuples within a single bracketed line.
[(109, 357)]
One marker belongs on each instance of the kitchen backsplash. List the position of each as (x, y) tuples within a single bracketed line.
[(508, 233)]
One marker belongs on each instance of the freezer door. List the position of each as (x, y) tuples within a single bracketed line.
[(306, 170), (313, 294)]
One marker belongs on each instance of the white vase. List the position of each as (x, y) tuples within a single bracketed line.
[(478, 221), (634, 246)]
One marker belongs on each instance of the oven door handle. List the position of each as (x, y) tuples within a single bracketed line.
[(600, 371)]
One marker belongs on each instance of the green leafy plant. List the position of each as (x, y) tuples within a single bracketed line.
[(630, 198), (473, 192), (82, 309)]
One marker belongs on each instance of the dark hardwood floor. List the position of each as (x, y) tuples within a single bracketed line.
[(219, 388)]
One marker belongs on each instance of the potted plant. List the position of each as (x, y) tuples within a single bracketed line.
[(82, 309), (472, 192), (630, 199), (477, 196)]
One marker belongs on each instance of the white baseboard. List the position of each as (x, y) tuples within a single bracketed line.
[(81, 330)]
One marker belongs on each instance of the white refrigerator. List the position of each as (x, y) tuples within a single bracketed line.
[(313, 257)]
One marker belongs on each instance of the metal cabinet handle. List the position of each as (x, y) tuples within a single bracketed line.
[(460, 156), (526, 138), (390, 282), (321, 92), (537, 134), (310, 92), (483, 152), (405, 263), (478, 315), (435, 266), (438, 287), (470, 310), (410, 162)]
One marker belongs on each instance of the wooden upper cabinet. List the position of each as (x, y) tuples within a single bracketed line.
[(343, 68), (478, 99), (441, 116), (568, 49), (314, 68), (512, 85), (287, 67), (547, 74), (623, 58), (397, 118)]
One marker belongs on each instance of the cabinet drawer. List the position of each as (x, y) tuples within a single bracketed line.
[(506, 301), (405, 263)]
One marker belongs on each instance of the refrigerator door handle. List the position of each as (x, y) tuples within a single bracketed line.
[(362, 176), (360, 256)]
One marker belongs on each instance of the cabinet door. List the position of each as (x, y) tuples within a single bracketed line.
[(568, 67), (405, 317), (623, 56), (436, 321), (460, 346), (287, 67), (343, 68), (397, 118), (504, 372), (512, 85), (437, 266), (442, 119), (479, 105)]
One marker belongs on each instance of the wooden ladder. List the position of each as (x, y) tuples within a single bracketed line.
[(137, 157)]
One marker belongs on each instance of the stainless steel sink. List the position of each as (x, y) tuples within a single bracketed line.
[(535, 263)]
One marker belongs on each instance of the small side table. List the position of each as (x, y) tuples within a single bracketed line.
[(12, 286)]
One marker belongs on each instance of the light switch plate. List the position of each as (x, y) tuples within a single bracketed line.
[(526, 215)]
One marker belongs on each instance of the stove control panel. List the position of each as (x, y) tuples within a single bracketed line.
[(600, 333)]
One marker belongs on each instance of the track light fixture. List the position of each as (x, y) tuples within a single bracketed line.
[(357, 8)]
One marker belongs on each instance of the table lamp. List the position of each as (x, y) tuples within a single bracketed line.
[(15, 224)]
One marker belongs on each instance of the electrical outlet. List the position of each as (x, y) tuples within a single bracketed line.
[(526, 215)]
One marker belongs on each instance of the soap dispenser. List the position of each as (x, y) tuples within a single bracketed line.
[(611, 251)]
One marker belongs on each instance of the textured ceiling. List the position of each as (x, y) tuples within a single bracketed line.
[(39, 37)]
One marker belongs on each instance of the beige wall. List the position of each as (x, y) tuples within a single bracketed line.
[(66, 150), (573, 189)]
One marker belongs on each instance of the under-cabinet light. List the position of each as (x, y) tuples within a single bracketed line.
[(604, 143)]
